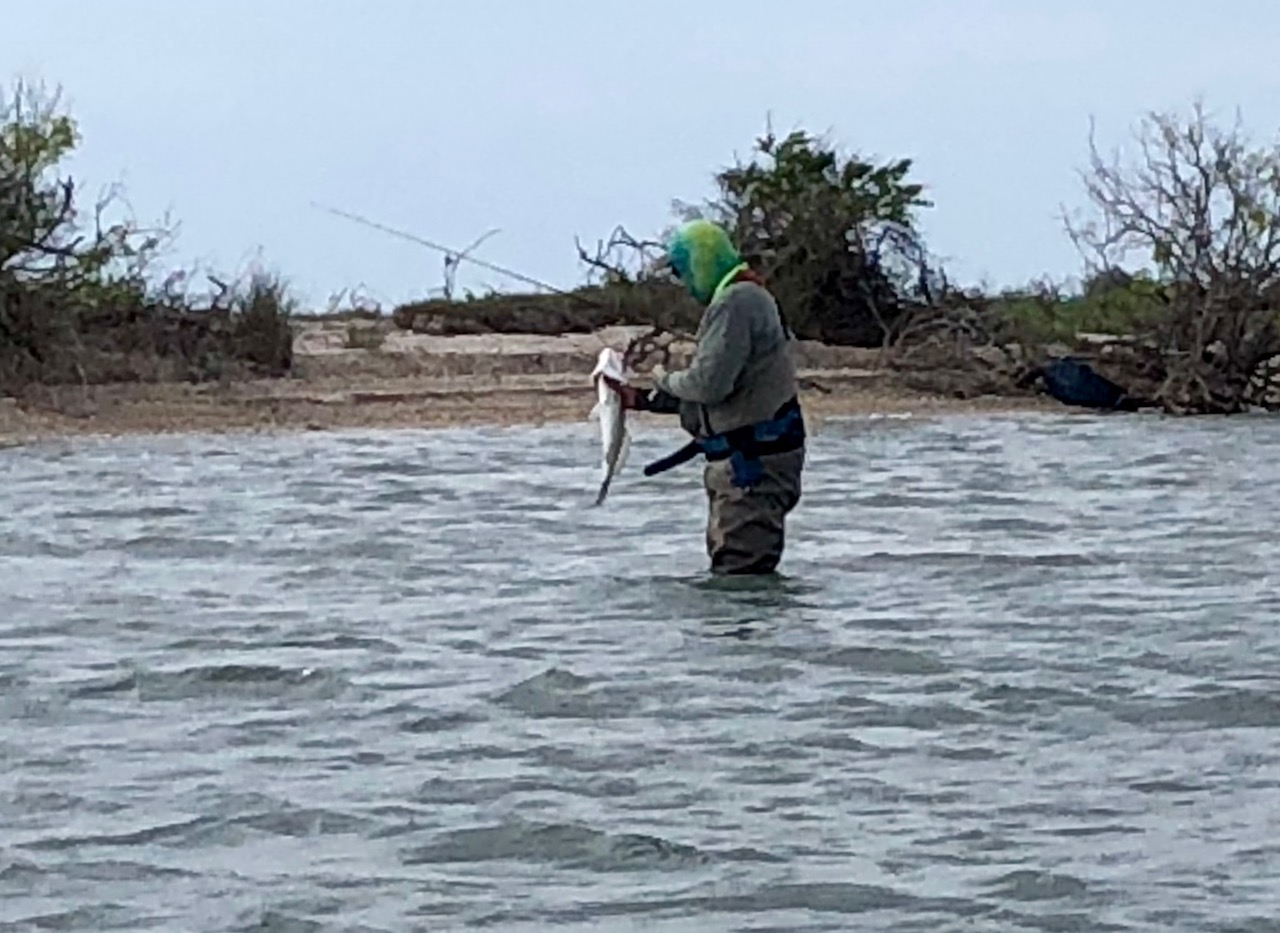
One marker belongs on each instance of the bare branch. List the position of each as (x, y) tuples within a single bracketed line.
[(1200, 206), (622, 259)]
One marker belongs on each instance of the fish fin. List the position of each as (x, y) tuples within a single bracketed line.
[(594, 414)]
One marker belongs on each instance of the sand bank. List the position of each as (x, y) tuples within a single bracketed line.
[(391, 379)]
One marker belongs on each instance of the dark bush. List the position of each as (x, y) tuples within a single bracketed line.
[(834, 235), (78, 301)]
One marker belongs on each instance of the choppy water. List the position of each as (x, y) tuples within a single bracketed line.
[(1020, 674)]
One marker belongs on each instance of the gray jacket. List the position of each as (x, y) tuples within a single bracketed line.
[(743, 369)]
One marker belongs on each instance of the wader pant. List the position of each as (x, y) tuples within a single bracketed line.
[(746, 526), (752, 477)]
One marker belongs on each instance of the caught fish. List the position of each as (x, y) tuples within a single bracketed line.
[(615, 440)]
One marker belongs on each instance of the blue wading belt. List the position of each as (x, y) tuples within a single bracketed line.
[(782, 433)]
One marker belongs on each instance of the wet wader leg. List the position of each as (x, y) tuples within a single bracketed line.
[(746, 528)]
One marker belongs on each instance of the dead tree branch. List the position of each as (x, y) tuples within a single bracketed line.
[(622, 259), (1201, 206)]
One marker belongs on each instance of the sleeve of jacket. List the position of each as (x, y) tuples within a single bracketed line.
[(718, 359)]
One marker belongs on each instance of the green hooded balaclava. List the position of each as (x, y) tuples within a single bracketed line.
[(704, 257)]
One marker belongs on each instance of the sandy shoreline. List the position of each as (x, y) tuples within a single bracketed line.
[(414, 382)]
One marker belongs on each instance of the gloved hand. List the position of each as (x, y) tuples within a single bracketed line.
[(661, 403), (637, 399), (631, 396)]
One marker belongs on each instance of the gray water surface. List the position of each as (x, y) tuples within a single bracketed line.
[(1018, 674)]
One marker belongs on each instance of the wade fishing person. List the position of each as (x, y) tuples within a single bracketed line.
[(738, 398)]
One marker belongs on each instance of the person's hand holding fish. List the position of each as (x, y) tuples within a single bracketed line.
[(630, 395), (615, 396), (633, 397)]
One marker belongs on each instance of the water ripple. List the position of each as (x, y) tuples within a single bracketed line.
[(1019, 673)]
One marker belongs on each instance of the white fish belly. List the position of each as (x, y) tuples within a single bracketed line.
[(612, 431)]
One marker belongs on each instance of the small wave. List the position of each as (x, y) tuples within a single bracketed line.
[(440, 722), (919, 561), (471, 791), (289, 920), (396, 469), (1010, 700), (1070, 922), (19, 705), (570, 846), (1224, 709), (560, 694), (247, 681), (867, 660), (19, 875), (1038, 886), (800, 899), (343, 643), (837, 742), (1167, 786), (181, 834), (840, 898), (129, 513), (272, 921), (1259, 924), (117, 871), (861, 713), (104, 688), (970, 753), (1088, 832), (25, 546), (41, 801), (1006, 527), (202, 831), (301, 823), (96, 917), (171, 547)]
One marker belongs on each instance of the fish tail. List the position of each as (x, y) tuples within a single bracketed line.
[(604, 490)]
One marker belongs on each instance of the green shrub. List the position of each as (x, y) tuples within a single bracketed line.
[(78, 297), (834, 234)]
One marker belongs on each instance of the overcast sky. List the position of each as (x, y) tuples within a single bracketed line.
[(558, 118)]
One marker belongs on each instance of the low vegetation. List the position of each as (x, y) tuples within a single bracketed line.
[(80, 301), (1180, 248), (1193, 326)]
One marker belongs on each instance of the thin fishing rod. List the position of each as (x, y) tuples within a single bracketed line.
[(456, 255)]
